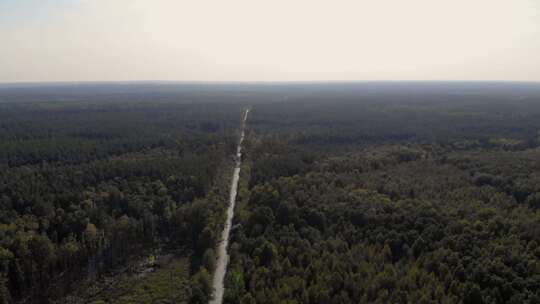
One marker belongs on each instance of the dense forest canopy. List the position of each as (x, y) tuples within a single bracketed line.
[(87, 183), (398, 196), (349, 192)]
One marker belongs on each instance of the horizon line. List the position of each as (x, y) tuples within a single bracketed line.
[(251, 82)]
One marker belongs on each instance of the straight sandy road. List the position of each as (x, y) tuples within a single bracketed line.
[(223, 256)]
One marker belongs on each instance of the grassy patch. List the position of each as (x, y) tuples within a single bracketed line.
[(167, 284)]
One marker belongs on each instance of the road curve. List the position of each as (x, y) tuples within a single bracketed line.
[(223, 257)]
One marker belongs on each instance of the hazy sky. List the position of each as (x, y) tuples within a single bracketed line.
[(71, 40)]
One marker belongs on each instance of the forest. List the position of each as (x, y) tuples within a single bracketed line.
[(88, 185), (400, 196), (349, 192)]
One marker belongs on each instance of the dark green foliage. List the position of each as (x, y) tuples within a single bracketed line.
[(351, 193), (386, 211), (362, 237), (5, 296), (84, 186), (201, 287)]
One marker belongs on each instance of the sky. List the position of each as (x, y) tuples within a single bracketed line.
[(269, 40)]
